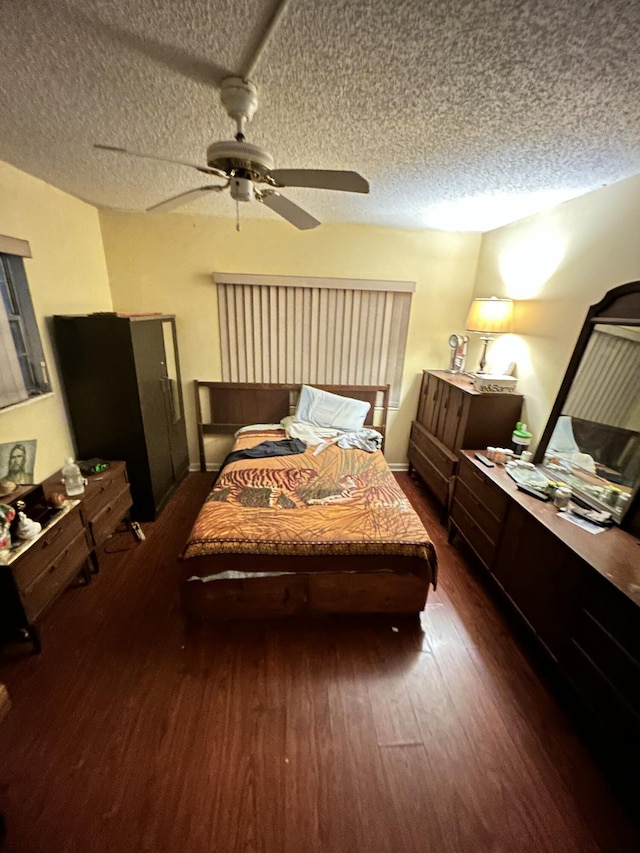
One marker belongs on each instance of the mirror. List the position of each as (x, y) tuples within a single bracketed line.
[(592, 438)]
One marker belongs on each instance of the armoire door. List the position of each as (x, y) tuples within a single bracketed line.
[(173, 403), (150, 362)]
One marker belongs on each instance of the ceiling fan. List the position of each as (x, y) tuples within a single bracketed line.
[(248, 171)]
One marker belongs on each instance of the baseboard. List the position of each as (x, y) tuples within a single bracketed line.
[(211, 466)]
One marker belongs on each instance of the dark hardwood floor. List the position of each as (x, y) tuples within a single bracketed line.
[(341, 735)]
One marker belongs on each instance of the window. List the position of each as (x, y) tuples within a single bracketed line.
[(323, 331), (23, 371)]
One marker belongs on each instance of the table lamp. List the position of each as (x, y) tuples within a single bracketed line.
[(489, 317)]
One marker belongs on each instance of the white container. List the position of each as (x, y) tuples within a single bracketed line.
[(494, 384), (72, 479)]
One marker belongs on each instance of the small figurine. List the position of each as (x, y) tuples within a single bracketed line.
[(7, 514), (27, 528)]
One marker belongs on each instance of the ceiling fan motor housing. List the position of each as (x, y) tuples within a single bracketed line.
[(239, 98), (232, 157)]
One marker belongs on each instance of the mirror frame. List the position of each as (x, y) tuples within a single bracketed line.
[(619, 307)]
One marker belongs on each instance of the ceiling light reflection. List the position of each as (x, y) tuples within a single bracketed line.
[(529, 260), (486, 212)]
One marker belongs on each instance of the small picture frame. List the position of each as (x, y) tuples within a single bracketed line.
[(18, 461)]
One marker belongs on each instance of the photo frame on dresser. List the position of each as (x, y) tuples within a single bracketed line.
[(18, 461)]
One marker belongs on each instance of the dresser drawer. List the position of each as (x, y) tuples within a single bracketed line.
[(105, 522), (616, 614), (443, 460), (47, 549), (475, 508), (102, 488), (610, 706), (608, 656), (438, 484), (472, 532), (488, 494), (56, 576)]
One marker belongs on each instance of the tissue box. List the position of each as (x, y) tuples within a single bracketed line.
[(495, 384)]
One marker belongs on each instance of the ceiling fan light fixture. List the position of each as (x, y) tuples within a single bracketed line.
[(241, 189)]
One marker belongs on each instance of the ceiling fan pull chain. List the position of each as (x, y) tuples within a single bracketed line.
[(237, 215)]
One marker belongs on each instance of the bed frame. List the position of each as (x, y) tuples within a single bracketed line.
[(336, 584), (224, 407)]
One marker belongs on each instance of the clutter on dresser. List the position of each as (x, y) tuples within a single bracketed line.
[(520, 438), (486, 384), (27, 528), (72, 478), (88, 467), (458, 344)]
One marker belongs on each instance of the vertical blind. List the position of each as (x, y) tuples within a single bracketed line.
[(311, 330), (593, 395)]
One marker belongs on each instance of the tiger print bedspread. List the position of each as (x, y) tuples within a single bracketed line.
[(337, 502)]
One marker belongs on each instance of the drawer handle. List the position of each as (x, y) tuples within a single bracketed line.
[(478, 475), (54, 535), (54, 566)]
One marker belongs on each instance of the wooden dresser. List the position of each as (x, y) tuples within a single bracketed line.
[(39, 569), (104, 503), (577, 592), (453, 415)]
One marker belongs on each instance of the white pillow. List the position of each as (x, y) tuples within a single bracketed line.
[(321, 408)]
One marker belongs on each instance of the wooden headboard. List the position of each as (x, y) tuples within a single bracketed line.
[(224, 407)]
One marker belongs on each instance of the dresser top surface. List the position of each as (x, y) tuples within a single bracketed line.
[(614, 553), (21, 546)]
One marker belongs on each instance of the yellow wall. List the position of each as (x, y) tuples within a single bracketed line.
[(555, 264), (558, 263), (164, 263), (67, 274)]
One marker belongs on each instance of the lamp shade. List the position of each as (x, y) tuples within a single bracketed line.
[(490, 316)]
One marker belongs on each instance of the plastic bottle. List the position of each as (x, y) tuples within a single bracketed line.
[(72, 478), (520, 438)]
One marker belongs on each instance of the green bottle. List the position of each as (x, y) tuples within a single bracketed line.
[(520, 438)]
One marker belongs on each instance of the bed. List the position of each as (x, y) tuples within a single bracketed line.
[(323, 530)]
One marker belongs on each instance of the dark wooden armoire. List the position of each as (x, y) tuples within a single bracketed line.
[(121, 377)]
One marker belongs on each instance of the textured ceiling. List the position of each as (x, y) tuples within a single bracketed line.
[(462, 115)]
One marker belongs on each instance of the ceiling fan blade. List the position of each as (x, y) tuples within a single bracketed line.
[(321, 179), (116, 150), (183, 198), (288, 210)]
